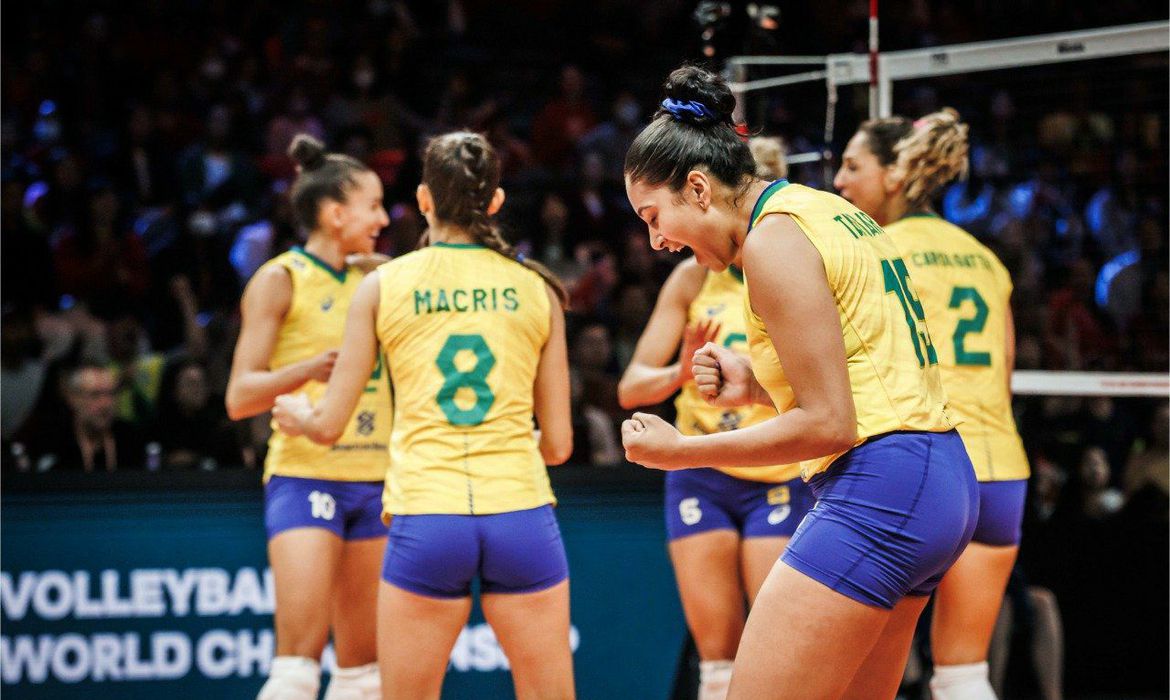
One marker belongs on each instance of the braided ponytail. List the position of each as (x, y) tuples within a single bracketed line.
[(462, 171)]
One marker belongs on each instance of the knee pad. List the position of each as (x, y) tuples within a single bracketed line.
[(292, 678), (355, 683), (961, 682), (714, 679)]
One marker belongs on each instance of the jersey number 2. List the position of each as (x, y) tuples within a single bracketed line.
[(969, 325), (474, 379)]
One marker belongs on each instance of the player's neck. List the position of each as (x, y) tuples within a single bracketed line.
[(893, 210), (450, 234), (743, 219), (327, 249)]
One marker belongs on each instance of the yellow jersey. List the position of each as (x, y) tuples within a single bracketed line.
[(891, 361), (721, 298), (314, 324), (965, 291), (463, 328)]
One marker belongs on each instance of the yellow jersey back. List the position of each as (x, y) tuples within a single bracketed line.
[(315, 323), (965, 291), (463, 328), (722, 298), (891, 361)]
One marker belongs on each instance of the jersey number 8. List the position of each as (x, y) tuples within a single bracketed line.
[(474, 379)]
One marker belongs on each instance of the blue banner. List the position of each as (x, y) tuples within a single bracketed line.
[(168, 594)]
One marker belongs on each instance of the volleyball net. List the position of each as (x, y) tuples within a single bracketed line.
[(1068, 142)]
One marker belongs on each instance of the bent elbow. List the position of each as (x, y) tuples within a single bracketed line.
[(843, 434), (557, 451), (324, 435), (624, 395), (235, 411)]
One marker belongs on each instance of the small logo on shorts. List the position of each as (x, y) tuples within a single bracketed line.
[(778, 495), (689, 511), (322, 505), (365, 422), (779, 515)]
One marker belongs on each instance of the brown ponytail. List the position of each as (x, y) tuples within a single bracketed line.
[(320, 175), (462, 171)]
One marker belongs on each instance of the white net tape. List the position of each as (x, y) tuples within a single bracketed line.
[(1036, 382)]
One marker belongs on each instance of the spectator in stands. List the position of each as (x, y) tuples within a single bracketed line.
[(1149, 464), (98, 259), (1099, 500), (562, 122), (147, 166), (611, 139), (595, 440), (1076, 330), (138, 370), (94, 440), (219, 185), (592, 358), (193, 430)]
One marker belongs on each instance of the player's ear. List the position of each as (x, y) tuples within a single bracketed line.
[(893, 179), (698, 189), (426, 203)]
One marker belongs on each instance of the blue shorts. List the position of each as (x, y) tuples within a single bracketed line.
[(891, 517), (439, 555), (352, 510), (1001, 512), (700, 500)]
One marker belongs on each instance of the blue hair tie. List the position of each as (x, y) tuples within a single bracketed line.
[(689, 111), (520, 257)]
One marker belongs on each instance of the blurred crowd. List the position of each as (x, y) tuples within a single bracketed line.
[(145, 178)]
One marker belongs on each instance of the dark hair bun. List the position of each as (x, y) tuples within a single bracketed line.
[(695, 84), (308, 152)]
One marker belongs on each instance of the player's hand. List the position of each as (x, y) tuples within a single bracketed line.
[(724, 378), (321, 366), (367, 262), (695, 337), (652, 442), (290, 411)]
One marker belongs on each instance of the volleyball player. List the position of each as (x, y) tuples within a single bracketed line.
[(892, 169), (726, 526), (321, 506), (840, 348), (475, 342)]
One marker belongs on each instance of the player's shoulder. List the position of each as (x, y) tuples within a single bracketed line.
[(686, 279)]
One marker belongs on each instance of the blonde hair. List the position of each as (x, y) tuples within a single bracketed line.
[(931, 155), (768, 151)]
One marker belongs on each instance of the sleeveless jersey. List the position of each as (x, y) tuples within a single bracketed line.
[(315, 323), (463, 328), (721, 298), (965, 291), (891, 362)]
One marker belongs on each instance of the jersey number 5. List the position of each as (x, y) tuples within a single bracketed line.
[(897, 279), (474, 379)]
